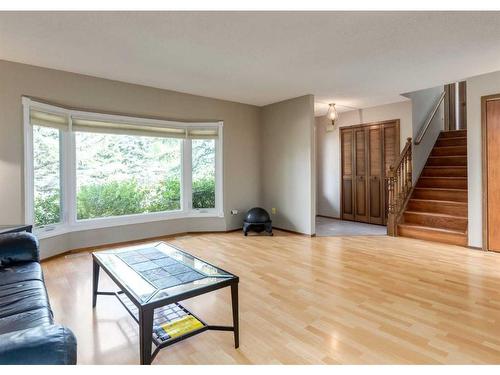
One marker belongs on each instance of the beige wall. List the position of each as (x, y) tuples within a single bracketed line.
[(423, 103), (328, 150), (287, 163), (486, 84), (241, 143)]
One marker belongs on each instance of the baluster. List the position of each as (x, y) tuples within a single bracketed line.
[(410, 170), (401, 186), (396, 189), (391, 218), (404, 174)]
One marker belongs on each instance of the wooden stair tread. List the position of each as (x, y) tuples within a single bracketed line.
[(448, 146), (437, 214), (433, 229), (444, 182), (455, 141), (453, 133), (440, 189), (445, 177), (438, 201), (449, 150), (442, 170), (456, 137), (445, 166), (447, 156)]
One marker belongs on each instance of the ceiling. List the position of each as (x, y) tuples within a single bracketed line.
[(356, 59)]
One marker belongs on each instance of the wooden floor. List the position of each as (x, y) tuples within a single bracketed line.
[(326, 300)]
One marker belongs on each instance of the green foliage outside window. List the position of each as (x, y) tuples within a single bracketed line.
[(204, 193), (166, 197), (120, 175), (125, 198), (111, 199), (47, 210)]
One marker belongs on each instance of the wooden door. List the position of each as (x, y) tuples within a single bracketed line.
[(360, 173), (367, 152), (491, 136), (450, 121), (455, 106), (346, 142), (462, 105), (376, 175)]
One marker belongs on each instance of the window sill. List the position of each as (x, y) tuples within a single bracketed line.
[(102, 223)]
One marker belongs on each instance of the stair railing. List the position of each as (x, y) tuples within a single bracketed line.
[(424, 128), (399, 183)]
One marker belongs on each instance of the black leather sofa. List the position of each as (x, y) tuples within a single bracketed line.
[(28, 334)]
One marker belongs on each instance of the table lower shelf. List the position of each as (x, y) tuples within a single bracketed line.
[(171, 323)]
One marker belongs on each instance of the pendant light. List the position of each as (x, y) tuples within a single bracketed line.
[(332, 115)]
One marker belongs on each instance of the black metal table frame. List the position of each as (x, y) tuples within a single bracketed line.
[(146, 312)]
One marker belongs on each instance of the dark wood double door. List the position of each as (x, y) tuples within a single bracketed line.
[(367, 152)]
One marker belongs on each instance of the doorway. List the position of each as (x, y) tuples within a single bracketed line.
[(330, 227), (455, 106), (490, 119)]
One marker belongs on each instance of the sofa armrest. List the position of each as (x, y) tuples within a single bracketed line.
[(18, 247), (46, 345)]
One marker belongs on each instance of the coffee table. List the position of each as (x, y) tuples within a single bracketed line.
[(152, 280)]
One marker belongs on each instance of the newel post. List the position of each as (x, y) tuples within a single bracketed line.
[(391, 216)]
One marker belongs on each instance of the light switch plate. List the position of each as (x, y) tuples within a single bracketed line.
[(273, 210)]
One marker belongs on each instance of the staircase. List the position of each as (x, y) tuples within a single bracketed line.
[(437, 208)]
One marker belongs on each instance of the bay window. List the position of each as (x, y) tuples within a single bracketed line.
[(203, 173), (87, 170), (47, 175)]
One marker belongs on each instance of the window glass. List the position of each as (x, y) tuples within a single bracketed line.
[(47, 175), (203, 173), (126, 174)]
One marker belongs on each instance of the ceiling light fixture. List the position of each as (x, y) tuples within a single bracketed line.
[(332, 115)]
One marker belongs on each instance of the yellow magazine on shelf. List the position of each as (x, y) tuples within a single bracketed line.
[(182, 326)]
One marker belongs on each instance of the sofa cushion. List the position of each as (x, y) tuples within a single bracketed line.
[(25, 320), (44, 345), (20, 272), (22, 296), (18, 248)]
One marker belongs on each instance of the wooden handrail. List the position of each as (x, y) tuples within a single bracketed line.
[(401, 156), (399, 183), (424, 128)]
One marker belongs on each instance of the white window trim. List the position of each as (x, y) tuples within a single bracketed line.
[(69, 222)]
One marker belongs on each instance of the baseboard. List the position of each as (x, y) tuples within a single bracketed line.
[(329, 217), (476, 248), (131, 242), (294, 232), (166, 236)]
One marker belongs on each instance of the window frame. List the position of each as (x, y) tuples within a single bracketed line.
[(69, 222)]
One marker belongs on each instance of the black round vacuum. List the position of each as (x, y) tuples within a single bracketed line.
[(257, 220)]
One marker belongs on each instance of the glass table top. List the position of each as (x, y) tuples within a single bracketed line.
[(156, 271)]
